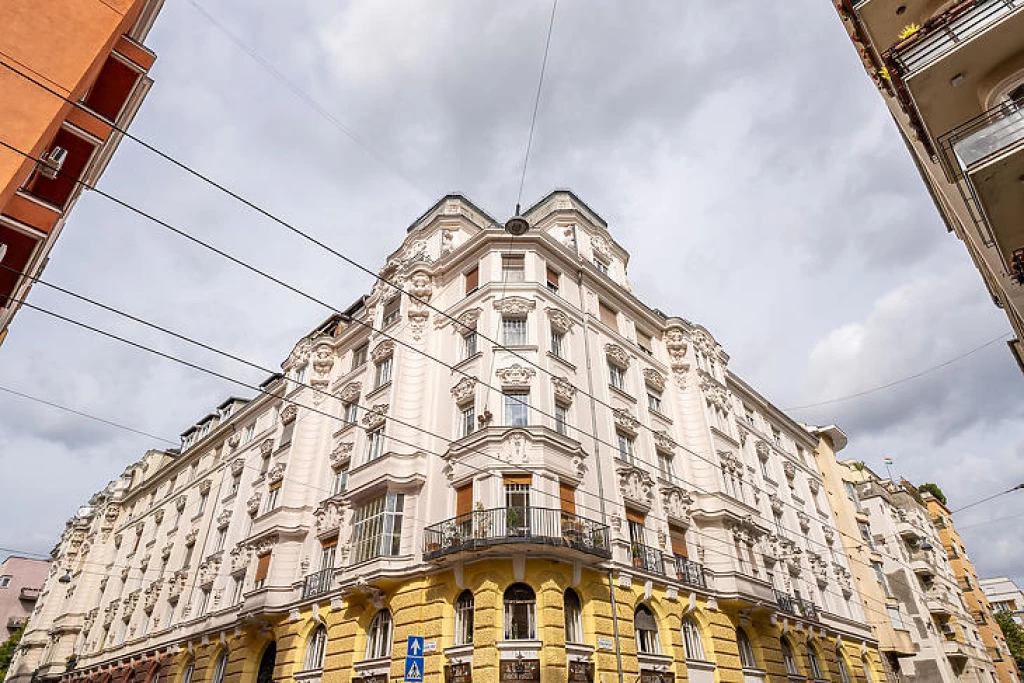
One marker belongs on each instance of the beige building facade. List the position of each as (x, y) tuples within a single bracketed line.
[(1005, 596), (593, 496), (952, 75), (21, 581)]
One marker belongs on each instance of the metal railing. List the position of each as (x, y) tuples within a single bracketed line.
[(647, 558), (690, 572), (522, 524), (796, 606), (317, 583), (990, 133), (784, 602)]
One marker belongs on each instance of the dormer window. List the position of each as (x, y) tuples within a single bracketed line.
[(601, 265)]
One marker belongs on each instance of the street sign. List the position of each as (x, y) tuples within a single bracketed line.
[(414, 660)]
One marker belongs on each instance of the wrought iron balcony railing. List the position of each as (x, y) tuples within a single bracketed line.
[(647, 558), (511, 525), (796, 606), (317, 583), (690, 572)]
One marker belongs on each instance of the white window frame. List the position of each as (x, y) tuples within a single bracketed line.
[(693, 644), (316, 649), (467, 420), (383, 373), (573, 616), (616, 376), (464, 611), (516, 406), (514, 331), (374, 443), (377, 530), (378, 636)]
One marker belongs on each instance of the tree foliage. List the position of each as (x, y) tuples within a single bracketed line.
[(1013, 634), (934, 490), (7, 650)]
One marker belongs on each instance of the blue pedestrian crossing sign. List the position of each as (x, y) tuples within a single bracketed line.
[(414, 660)]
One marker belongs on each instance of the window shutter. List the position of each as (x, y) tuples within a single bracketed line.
[(276, 485), (634, 516), (472, 280), (328, 543), (464, 500), (552, 277), (608, 316), (567, 496), (518, 479), (262, 567), (678, 536)]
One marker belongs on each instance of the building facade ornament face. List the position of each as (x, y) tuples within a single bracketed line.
[(350, 392), (253, 504), (676, 501), (514, 447), (616, 354), (715, 393), (180, 502), (323, 358), (830, 536), (190, 538), (463, 391), (559, 321), (376, 416), (224, 518), (790, 469), (805, 521), (676, 342), (515, 376), (299, 355), (341, 454), (266, 447), (703, 342), (383, 350), (776, 503), (636, 485), (813, 485), (654, 379), (165, 552), (276, 473), (289, 413), (234, 440), (514, 305), (327, 516), (744, 431), (237, 465), (664, 442), (625, 421), (204, 486), (564, 389), (208, 571), (762, 449), (730, 462), (600, 246), (264, 545), (158, 516), (238, 560)]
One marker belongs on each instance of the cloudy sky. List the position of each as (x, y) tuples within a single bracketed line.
[(752, 144)]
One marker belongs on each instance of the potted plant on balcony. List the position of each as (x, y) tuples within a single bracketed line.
[(513, 522), (481, 521), (597, 538), (638, 554)]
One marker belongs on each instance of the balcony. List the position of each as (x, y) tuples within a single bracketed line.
[(690, 572), (318, 583), (937, 607), (29, 594), (647, 558), (921, 563), (16, 622), (512, 526), (988, 153), (954, 649), (796, 606)]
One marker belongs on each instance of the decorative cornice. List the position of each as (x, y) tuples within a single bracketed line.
[(266, 447), (617, 355), (204, 486), (664, 442), (350, 392), (341, 454), (625, 421), (559, 320), (516, 376), (565, 391), (383, 350), (514, 305), (276, 473), (464, 390), (253, 504), (654, 379), (636, 485), (237, 465), (376, 416)]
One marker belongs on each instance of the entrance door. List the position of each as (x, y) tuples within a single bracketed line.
[(266, 670)]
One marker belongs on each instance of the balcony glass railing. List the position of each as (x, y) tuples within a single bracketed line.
[(690, 572), (498, 526), (647, 558), (317, 583), (995, 131)]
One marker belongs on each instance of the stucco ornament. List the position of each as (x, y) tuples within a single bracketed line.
[(564, 389), (664, 442), (190, 538), (617, 355), (383, 350), (177, 584), (341, 454), (158, 516), (239, 560), (327, 516), (263, 546), (676, 501), (323, 357), (703, 342), (762, 449), (466, 321), (654, 379), (744, 432), (636, 485), (237, 465), (252, 505), (515, 376), (234, 440), (464, 390), (376, 416), (350, 392), (559, 320), (569, 236), (830, 536), (447, 241), (676, 342), (776, 503), (299, 355), (624, 420), (204, 487), (730, 462), (790, 469), (165, 552), (715, 393), (180, 502), (276, 473), (224, 518), (804, 520), (289, 413), (814, 485), (514, 305), (208, 571), (601, 247), (420, 290), (514, 447), (266, 447)]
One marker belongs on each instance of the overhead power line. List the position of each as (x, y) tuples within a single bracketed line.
[(985, 500), (536, 102)]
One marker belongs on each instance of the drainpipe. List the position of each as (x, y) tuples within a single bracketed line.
[(597, 460)]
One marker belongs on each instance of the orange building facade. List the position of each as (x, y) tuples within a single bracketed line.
[(86, 51)]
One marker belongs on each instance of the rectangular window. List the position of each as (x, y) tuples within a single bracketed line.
[(374, 443), (300, 375), (286, 433), (204, 600), (248, 433), (601, 265), (384, 372), (567, 498), (391, 309), (222, 533), (643, 340), (203, 499), (236, 481), (467, 421), (748, 415), (865, 533), (556, 343), (513, 267), (608, 316), (359, 356), (351, 412), (777, 437), (262, 570), (517, 408), (764, 468), (273, 494), (340, 480), (553, 278), (469, 348), (781, 530), (653, 400), (880, 575), (616, 376), (895, 617), (513, 331), (236, 593), (464, 500), (562, 419), (472, 280), (626, 446), (665, 466), (377, 530), (637, 532), (327, 553)]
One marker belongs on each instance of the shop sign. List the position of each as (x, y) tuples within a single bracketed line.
[(651, 676), (374, 678), (514, 671), (458, 673), (581, 672)]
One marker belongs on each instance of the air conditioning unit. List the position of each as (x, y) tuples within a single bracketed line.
[(52, 162)]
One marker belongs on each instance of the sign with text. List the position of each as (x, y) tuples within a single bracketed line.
[(458, 673), (514, 671), (581, 672), (651, 676), (375, 678)]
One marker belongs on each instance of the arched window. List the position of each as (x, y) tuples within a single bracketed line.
[(844, 675), (573, 617), (221, 668), (646, 628), (691, 640), (378, 638), (190, 669), (747, 659), (520, 612), (812, 657), (788, 659), (316, 648), (464, 619)]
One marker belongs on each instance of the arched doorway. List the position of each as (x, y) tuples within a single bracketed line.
[(265, 674)]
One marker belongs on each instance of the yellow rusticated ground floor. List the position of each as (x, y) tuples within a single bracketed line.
[(517, 613)]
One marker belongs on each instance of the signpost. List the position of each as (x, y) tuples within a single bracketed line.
[(414, 660)]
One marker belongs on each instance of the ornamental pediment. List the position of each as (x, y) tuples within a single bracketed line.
[(677, 501), (514, 305), (636, 486), (515, 376)]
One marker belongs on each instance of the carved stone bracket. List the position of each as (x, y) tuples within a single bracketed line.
[(383, 350), (776, 503), (276, 473), (224, 518), (559, 321), (463, 391), (204, 486), (654, 379), (805, 521), (790, 469), (515, 376), (263, 546), (180, 502), (237, 465), (266, 447), (564, 389), (814, 485), (341, 454), (289, 413), (350, 392), (190, 538), (252, 505), (625, 421), (636, 485), (239, 559), (616, 354), (514, 305), (328, 516), (376, 416), (762, 449), (664, 442)]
